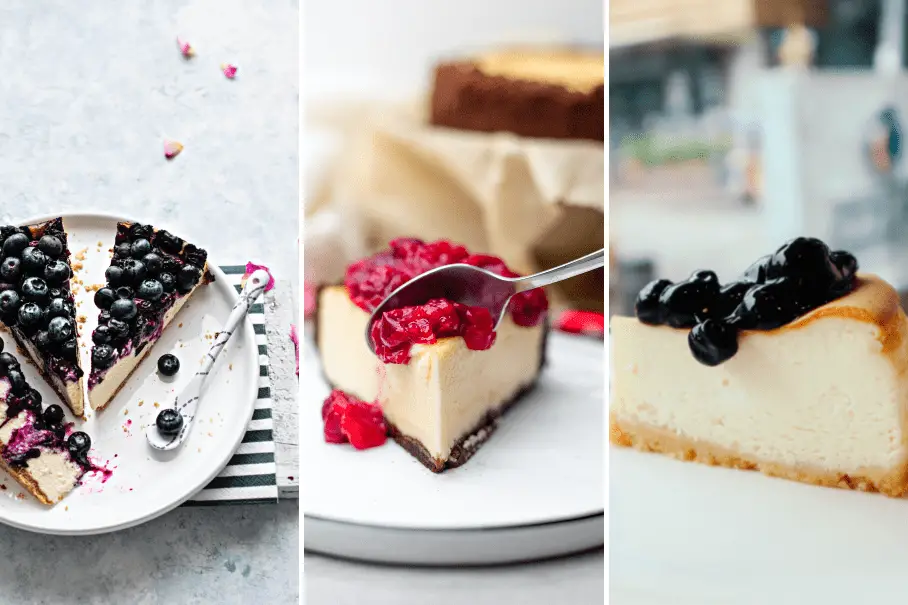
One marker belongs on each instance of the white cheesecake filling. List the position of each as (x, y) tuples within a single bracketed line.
[(103, 392), (445, 391), (54, 472), (823, 395), (75, 393)]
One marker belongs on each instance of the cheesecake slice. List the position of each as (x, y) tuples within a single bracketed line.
[(151, 276), (35, 448), (804, 381), (37, 304), (442, 377)]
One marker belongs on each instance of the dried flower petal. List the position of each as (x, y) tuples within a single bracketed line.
[(296, 346), (185, 48), (229, 70), (172, 149), (251, 268)]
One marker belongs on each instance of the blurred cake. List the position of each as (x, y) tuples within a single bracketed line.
[(542, 93)]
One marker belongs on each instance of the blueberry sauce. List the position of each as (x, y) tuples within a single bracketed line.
[(36, 300), (800, 276), (150, 270)]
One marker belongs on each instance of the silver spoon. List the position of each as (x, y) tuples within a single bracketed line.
[(187, 401), (477, 287)]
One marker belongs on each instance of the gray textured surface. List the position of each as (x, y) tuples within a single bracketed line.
[(88, 92), (578, 580)]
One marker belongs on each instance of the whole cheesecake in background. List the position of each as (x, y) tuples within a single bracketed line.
[(442, 377), (151, 276), (545, 93), (37, 304), (797, 369)]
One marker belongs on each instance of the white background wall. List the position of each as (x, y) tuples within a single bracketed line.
[(387, 47)]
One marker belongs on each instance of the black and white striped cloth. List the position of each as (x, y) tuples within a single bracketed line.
[(251, 476)]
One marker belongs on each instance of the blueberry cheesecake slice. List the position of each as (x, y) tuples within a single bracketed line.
[(796, 368), (151, 276), (37, 447), (37, 304)]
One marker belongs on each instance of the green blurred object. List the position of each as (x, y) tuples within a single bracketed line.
[(651, 151)]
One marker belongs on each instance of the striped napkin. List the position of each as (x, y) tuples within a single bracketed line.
[(251, 476)]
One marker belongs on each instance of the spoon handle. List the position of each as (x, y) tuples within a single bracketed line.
[(584, 264), (255, 285)]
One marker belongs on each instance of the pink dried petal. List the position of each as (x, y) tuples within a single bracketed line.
[(251, 268), (172, 149), (186, 48), (229, 70), (296, 346), (309, 295)]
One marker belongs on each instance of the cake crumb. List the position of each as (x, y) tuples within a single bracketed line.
[(725, 382), (100, 244), (126, 412), (66, 507), (141, 402), (77, 266), (230, 367), (180, 325), (80, 255), (156, 404), (82, 319)]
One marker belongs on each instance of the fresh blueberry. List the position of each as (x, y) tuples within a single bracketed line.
[(125, 292), (123, 308), (33, 261), (153, 263), (685, 301), (70, 349), (78, 445), (168, 242), (195, 256), (34, 289), (133, 272), (60, 329), (150, 289), (123, 250), (807, 261), (57, 272), (16, 381), (140, 248), (11, 269), (101, 335), (102, 356), (730, 296), (168, 281), (9, 301), (15, 244), (104, 298), (51, 246), (713, 341), (846, 262), (140, 231), (114, 275), (103, 317), (119, 329), (59, 307), (767, 306), (168, 364), (53, 415), (7, 363), (32, 399), (56, 293), (169, 422), (30, 314), (187, 278), (42, 340), (647, 307)]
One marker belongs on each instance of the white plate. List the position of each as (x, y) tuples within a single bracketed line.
[(534, 490), (701, 534), (144, 485)]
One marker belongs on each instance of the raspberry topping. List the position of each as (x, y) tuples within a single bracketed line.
[(371, 280), (351, 420)]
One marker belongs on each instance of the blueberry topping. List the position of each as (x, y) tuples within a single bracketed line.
[(125, 292), (56, 273), (123, 308), (9, 301), (15, 244), (103, 317), (101, 335), (195, 256), (53, 415), (16, 381), (123, 250), (32, 399), (805, 260), (102, 356), (169, 422), (139, 231), (7, 363), (647, 307), (730, 296), (187, 278), (42, 340), (51, 246), (60, 329), (150, 289), (59, 307), (114, 275), (685, 301), (119, 329), (11, 269), (846, 262), (153, 263), (140, 248), (168, 242), (104, 298), (168, 281), (30, 314), (78, 445), (70, 349), (33, 261), (34, 289), (713, 342), (133, 272), (168, 364)]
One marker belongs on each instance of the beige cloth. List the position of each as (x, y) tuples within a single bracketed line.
[(536, 203)]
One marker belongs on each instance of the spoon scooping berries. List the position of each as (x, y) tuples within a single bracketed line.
[(173, 424)]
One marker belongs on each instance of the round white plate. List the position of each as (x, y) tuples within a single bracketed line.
[(534, 490), (144, 484), (690, 533)]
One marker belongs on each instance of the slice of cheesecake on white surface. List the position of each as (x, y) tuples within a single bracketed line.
[(822, 399), (151, 277)]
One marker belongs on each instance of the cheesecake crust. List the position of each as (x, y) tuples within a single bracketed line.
[(26, 480), (889, 481)]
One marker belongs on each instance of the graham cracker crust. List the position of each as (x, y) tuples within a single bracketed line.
[(891, 482), (27, 481)]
